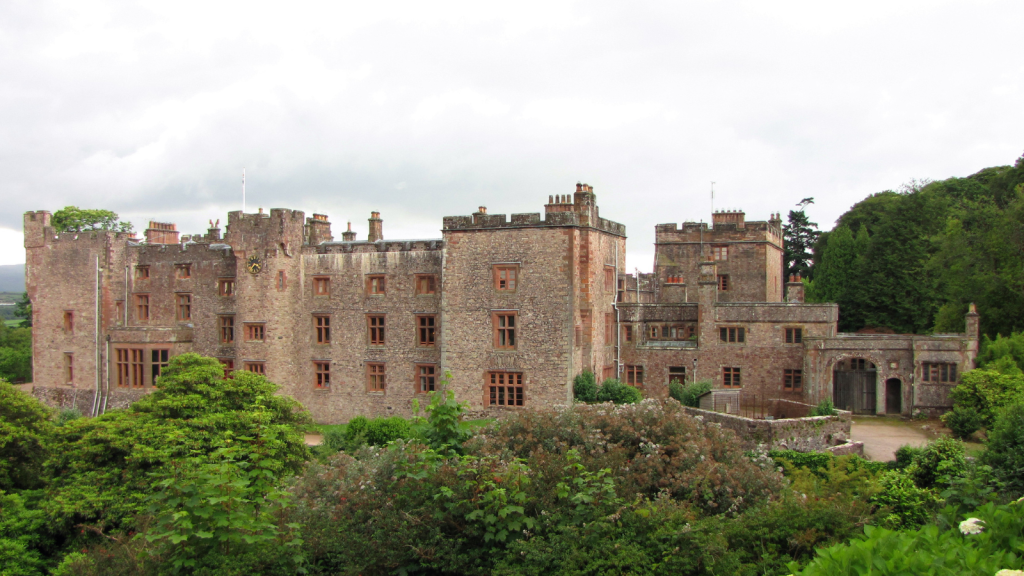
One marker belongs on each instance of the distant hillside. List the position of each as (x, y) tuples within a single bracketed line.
[(12, 278)]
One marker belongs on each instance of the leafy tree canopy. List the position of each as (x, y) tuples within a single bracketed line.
[(913, 259), (75, 219), (25, 427), (103, 468)]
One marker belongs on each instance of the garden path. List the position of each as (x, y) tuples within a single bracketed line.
[(882, 436)]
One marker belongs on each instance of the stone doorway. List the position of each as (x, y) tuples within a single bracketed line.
[(853, 386), (893, 396)]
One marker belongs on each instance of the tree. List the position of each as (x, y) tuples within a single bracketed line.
[(15, 353), (75, 219), (23, 310), (799, 237), (25, 427), (102, 469)]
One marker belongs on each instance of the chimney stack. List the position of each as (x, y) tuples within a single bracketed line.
[(795, 289), (348, 235), (376, 228)]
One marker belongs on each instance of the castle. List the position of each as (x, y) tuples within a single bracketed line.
[(513, 307)]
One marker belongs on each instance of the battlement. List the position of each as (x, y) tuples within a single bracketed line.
[(281, 225), (728, 227), (363, 246)]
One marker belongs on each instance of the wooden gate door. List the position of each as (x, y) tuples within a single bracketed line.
[(854, 390)]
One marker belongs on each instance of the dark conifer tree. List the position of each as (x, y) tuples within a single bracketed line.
[(799, 235)]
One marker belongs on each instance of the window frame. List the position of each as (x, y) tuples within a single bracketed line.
[(281, 281), (183, 271), (322, 328), (322, 374), (376, 377), (256, 367), (322, 286), (627, 332), (431, 284), (69, 368), (159, 358), (609, 329), (226, 287), (229, 367), (943, 372), (69, 321), (720, 253), (732, 377), (420, 375), (634, 374), (506, 332), (792, 379), (497, 387), (376, 284), (723, 282), (255, 331), (183, 310), (794, 335), (426, 336), (376, 330), (732, 334), (609, 278), (514, 278), (142, 311), (680, 371), (137, 363), (226, 327), (142, 272)]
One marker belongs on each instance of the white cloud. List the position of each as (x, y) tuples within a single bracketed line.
[(153, 109)]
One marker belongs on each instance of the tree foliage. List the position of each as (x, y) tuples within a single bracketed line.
[(913, 259), (101, 468), (799, 236), (75, 219), (25, 428), (15, 353)]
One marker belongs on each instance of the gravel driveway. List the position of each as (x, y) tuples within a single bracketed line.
[(882, 436)]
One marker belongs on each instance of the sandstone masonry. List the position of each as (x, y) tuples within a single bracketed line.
[(513, 307)]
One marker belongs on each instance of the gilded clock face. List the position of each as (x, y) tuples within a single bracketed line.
[(254, 264)]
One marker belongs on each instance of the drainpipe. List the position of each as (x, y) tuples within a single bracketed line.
[(96, 340), (106, 393), (618, 328), (126, 304)]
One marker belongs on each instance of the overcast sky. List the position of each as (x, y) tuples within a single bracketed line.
[(426, 109)]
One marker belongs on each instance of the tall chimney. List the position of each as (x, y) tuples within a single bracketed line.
[(348, 235), (376, 227)]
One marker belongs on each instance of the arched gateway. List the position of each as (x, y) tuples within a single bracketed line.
[(854, 385)]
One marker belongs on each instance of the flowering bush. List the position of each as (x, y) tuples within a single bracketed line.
[(653, 446)]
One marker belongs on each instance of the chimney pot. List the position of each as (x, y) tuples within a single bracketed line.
[(483, 209)]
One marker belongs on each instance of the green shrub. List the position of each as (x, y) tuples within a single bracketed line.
[(962, 421), (904, 504), (1006, 447), (444, 428), (905, 456), (67, 415), (380, 431), (584, 387), (929, 550), (689, 394), (987, 391), (941, 457), (614, 391), (824, 408), (813, 461)]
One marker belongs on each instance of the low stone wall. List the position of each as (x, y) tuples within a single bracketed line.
[(62, 397), (800, 434), (848, 448)]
